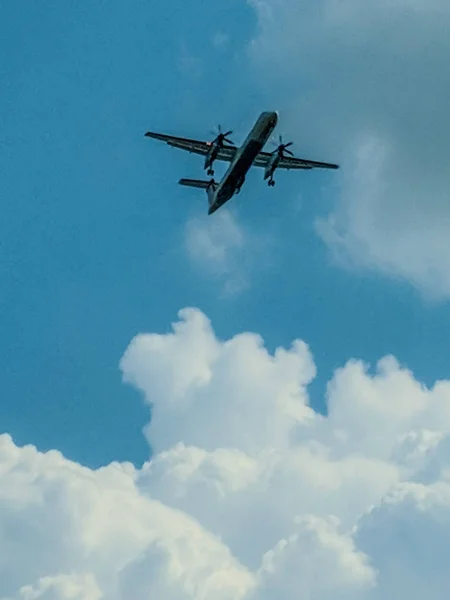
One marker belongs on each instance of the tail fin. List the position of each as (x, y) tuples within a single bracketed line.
[(210, 186)]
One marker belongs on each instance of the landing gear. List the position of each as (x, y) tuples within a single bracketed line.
[(271, 183), (210, 171)]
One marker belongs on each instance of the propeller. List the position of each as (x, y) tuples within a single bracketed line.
[(281, 149), (222, 137)]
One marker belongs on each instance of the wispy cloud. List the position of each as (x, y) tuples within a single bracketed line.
[(220, 39), (218, 245), (190, 65), (366, 87)]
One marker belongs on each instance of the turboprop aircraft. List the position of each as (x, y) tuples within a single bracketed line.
[(241, 159)]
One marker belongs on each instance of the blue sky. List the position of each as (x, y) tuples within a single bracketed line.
[(93, 222)]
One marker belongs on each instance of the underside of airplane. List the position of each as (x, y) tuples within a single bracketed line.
[(241, 159)]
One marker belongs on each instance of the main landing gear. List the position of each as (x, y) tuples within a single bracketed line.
[(271, 183), (210, 171)]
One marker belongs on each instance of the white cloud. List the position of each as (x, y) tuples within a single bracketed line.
[(406, 538), (217, 245), (219, 387), (220, 247), (250, 494), (318, 560), (58, 518), (366, 85)]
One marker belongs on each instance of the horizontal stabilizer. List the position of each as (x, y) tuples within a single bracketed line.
[(196, 183)]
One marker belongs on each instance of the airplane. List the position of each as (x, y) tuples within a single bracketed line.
[(240, 159)]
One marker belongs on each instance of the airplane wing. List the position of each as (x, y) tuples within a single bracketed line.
[(226, 152), (290, 162)]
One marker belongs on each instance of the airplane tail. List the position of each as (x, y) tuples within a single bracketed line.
[(209, 186)]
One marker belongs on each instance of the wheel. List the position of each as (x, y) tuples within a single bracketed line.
[(210, 171)]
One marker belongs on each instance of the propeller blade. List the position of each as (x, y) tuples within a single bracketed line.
[(219, 136), (289, 152), (281, 147)]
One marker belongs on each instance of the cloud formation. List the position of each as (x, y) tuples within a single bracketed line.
[(222, 248), (366, 85), (216, 246), (249, 494)]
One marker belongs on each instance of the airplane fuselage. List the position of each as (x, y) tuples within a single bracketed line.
[(243, 160)]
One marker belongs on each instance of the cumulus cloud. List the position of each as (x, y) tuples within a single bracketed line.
[(67, 530), (219, 387), (366, 84), (249, 494)]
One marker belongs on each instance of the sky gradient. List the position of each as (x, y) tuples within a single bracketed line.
[(93, 227), (101, 249)]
